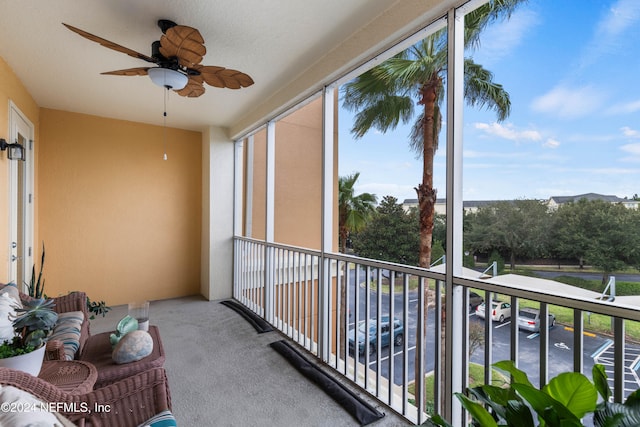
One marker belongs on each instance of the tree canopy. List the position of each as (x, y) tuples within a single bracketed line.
[(391, 234)]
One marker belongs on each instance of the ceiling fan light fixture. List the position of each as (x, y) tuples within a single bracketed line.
[(166, 77)]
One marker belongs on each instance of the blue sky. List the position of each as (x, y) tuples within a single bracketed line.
[(571, 68)]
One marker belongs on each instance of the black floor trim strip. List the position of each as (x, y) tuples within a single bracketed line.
[(256, 321), (358, 408)]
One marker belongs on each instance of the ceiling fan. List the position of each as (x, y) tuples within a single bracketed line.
[(177, 56)]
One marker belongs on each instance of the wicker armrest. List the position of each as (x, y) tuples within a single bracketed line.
[(54, 350), (128, 402)]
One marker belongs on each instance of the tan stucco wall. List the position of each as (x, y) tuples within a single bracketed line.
[(12, 89), (119, 222), (298, 179)]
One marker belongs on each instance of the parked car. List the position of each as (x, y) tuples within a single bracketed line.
[(529, 319), (499, 310), (385, 334), (474, 301)]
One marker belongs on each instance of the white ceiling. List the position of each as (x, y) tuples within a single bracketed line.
[(273, 41)]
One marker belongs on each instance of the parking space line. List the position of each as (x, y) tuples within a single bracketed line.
[(602, 349), (397, 353), (503, 324)]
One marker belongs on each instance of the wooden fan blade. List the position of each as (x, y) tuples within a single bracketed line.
[(224, 77), (185, 43), (140, 71), (193, 89), (110, 44)]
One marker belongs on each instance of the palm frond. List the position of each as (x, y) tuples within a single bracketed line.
[(477, 20), (481, 91)]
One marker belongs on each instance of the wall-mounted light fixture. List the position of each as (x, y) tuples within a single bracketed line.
[(15, 151)]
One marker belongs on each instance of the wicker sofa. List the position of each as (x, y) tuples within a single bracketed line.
[(96, 349), (128, 402)]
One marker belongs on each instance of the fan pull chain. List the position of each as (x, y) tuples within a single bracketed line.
[(164, 124)]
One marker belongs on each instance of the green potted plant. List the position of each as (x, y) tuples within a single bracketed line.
[(563, 402), (31, 324)]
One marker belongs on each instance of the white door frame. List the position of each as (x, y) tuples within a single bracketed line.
[(21, 230)]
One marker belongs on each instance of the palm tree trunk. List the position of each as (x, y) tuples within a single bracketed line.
[(426, 192)]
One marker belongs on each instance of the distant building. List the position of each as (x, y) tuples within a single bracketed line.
[(553, 203), (556, 201)]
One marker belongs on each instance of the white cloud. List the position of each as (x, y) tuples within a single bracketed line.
[(626, 108), (630, 133), (499, 40), (568, 102), (609, 33), (508, 132), (633, 150), (471, 154), (552, 143), (622, 15)]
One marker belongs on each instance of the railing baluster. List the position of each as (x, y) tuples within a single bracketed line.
[(356, 320), (578, 341), (618, 359), (378, 330), (544, 344), (367, 316), (347, 308), (488, 337), (515, 342), (405, 345), (392, 332), (437, 348), (419, 368)]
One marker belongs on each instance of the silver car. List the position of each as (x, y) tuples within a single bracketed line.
[(529, 319)]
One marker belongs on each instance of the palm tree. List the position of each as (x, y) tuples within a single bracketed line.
[(353, 211), (388, 93)]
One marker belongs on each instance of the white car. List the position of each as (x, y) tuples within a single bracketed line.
[(499, 311)]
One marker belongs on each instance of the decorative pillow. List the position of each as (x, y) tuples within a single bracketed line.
[(7, 314), (13, 292), (132, 347), (67, 330), (24, 409), (163, 419)]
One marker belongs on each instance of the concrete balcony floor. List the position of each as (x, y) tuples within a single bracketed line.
[(223, 373)]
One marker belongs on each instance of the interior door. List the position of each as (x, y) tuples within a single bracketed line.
[(20, 200)]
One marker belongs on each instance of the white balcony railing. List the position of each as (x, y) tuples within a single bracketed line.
[(319, 300)]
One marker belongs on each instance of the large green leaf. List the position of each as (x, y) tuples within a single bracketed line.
[(519, 414), (477, 411), (496, 398), (633, 400), (548, 409), (518, 376), (600, 381), (437, 420), (616, 415), (574, 391)]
